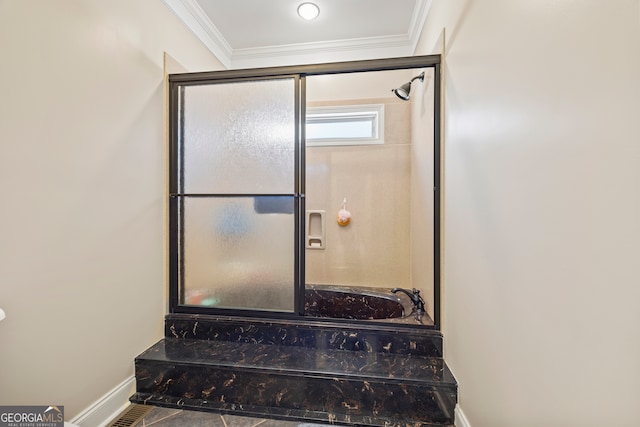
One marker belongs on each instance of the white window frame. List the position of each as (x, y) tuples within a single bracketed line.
[(334, 114)]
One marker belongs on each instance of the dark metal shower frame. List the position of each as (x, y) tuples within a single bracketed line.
[(177, 82)]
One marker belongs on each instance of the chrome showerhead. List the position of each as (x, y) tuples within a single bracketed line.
[(403, 91)]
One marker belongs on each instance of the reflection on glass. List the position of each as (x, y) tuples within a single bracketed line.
[(238, 253), (239, 138)]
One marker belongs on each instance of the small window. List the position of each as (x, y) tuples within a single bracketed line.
[(345, 125)]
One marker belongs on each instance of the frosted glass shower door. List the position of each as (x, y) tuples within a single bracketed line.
[(235, 198)]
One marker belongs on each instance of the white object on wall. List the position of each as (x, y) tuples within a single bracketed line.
[(315, 229), (2, 314)]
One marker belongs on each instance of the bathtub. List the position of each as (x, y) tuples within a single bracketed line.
[(360, 303), (340, 302)]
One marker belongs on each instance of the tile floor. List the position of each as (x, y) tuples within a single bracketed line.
[(166, 417)]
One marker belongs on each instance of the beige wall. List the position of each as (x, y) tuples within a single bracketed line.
[(389, 189), (373, 250), (542, 101), (83, 170), (422, 196)]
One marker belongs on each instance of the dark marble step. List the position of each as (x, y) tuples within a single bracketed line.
[(296, 382), (299, 360), (372, 337), (277, 413)]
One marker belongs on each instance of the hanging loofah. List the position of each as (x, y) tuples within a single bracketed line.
[(344, 216)]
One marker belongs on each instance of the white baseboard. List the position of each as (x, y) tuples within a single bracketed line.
[(461, 420), (105, 409)]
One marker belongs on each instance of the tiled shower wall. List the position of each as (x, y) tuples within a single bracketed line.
[(374, 249)]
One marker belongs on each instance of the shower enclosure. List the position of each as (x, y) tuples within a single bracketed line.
[(239, 231)]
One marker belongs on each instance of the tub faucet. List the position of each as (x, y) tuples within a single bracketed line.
[(416, 299)]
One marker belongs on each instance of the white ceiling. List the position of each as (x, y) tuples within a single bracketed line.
[(258, 33)]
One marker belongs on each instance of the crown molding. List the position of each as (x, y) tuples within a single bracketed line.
[(418, 19), (192, 15), (351, 49)]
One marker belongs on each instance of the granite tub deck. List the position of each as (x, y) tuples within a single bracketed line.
[(317, 372)]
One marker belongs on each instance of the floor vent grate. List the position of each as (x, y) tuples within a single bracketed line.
[(131, 416)]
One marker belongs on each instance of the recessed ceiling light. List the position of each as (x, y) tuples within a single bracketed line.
[(308, 11)]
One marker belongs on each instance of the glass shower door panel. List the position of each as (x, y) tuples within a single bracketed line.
[(238, 252), (238, 138)]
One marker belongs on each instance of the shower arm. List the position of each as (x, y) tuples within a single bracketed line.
[(418, 77)]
